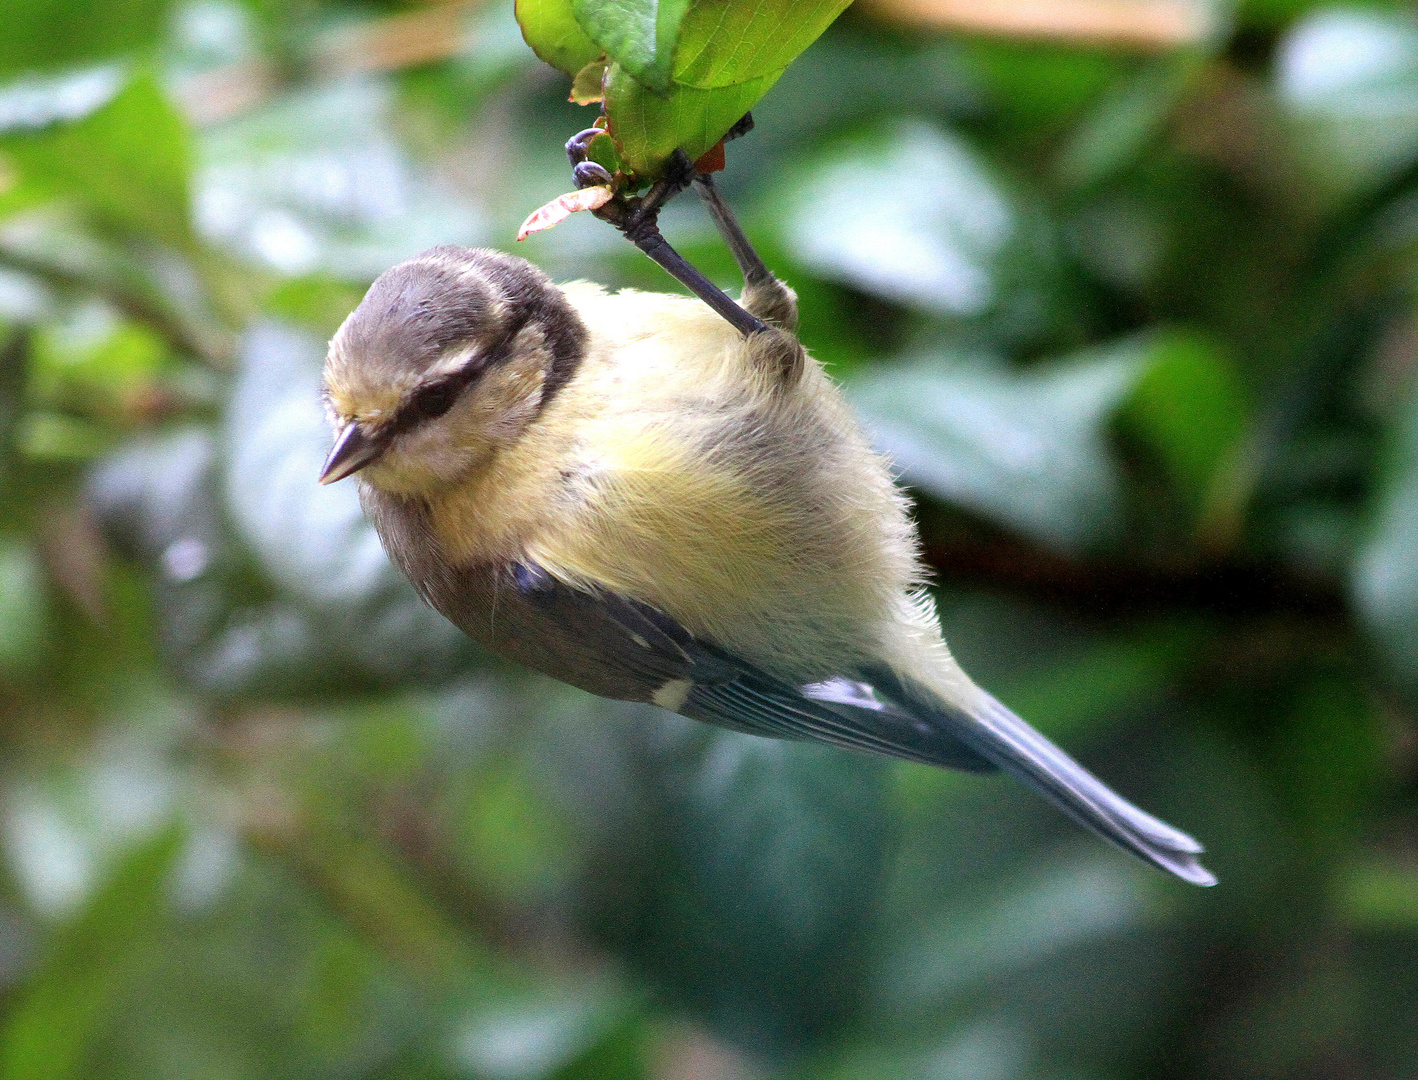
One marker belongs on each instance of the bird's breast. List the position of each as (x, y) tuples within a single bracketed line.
[(668, 474)]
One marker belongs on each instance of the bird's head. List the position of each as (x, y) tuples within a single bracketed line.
[(446, 360)]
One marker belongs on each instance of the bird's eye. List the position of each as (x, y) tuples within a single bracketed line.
[(436, 400)]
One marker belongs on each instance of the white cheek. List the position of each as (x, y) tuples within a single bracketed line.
[(440, 453)]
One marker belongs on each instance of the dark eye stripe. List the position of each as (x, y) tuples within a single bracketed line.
[(432, 401)]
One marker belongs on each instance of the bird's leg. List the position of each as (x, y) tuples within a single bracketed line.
[(644, 233), (641, 227), (638, 219), (763, 294)]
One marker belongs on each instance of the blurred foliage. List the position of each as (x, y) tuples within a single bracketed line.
[(1140, 330)]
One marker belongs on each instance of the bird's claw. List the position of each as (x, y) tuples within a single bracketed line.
[(577, 146), (591, 174)]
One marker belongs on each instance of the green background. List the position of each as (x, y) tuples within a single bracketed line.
[(1139, 329)]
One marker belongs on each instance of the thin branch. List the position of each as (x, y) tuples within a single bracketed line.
[(638, 220), (1114, 587)]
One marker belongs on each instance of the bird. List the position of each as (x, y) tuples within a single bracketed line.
[(632, 494)]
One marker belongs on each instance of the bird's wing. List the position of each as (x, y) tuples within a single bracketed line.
[(616, 646)]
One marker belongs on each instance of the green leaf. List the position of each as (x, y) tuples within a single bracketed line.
[(129, 163), (1026, 449), (316, 302), (373, 206), (1348, 78), (59, 33), (94, 356), (763, 865), (1386, 573), (551, 29), (913, 213), (723, 42), (932, 242), (513, 840), (15, 349), (24, 607), (1332, 753), (79, 987), (1119, 127), (1034, 89), (602, 151), (1089, 686), (649, 127), (1379, 893), (1190, 406), (640, 35), (549, 1036), (1047, 910)]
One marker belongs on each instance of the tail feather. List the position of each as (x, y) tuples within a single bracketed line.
[(1006, 741)]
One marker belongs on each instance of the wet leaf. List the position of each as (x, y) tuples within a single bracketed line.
[(932, 243), (39, 101), (318, 182), (537, 1038), (911, 213)]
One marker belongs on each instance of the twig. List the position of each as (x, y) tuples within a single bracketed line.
[(637, 218)]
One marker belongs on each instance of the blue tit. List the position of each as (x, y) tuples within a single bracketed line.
[(632, 495)]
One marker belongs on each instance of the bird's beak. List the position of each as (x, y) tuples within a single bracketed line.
[(353, 450)]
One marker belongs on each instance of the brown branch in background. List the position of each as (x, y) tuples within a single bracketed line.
[(73, 552), (1231, 587), (1140, 24)]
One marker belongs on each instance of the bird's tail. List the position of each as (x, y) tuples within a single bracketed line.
[(1006, 741)]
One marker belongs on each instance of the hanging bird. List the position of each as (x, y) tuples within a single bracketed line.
[(636, 495)]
